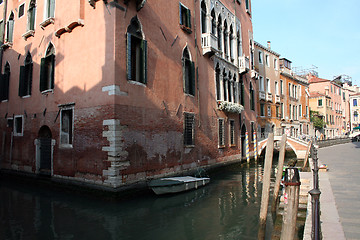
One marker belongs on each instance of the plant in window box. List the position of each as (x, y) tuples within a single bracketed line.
[(230, 107)]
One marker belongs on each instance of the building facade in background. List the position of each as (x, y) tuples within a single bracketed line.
[(354, 110), (335, 113), (115, 92)]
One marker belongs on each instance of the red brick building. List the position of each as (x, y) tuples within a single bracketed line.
[(115, 92)]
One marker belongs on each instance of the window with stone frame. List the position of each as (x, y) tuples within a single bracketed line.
[(242, 91), (49, 9), (136, 66), (188, 69), (232, 132), (66, 125), (31, 16), (185, 18), (5, 83), (18, 125), (262, 110), (252, 97), (21, 11), (221, 132), (25, 77), (10, 29), (217, 82), (47, 69), (203, 17), (189, 129)]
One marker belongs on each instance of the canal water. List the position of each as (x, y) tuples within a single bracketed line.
[(227, 208)]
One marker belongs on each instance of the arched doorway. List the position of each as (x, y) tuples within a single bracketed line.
[(243, 143), (44, 149)]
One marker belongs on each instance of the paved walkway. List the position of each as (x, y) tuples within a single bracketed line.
[(340, 191)]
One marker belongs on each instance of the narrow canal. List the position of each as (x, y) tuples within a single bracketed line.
[(227, 208)]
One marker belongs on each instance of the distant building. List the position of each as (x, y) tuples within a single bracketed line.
[(354, 110), (111, 93), (334, 102), (295, 97)]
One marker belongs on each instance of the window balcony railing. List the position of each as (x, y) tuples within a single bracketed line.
[(262, 95), (209, 43), (244, 64), (277, 99), (269, 97)]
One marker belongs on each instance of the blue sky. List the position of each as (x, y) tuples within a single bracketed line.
[(321, 33)]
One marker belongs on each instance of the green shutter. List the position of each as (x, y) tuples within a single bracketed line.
[(6, 83), (188, 18), (187, 74), (2, 87), (29, 74), (21, 81), (43, 75), (128, 56), (52, 76), (144, 60), (192, 79), (51, 8), (180, 14)]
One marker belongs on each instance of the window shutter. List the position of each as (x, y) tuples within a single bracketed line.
[(180, 12), (51, 8), (52, 76), (21, 81), (6, 83), (10, 29), (43, 75), (29, 77), (2, 87), (144, 61), (187, 74), (192, 79), (128, 57), (188, 18)]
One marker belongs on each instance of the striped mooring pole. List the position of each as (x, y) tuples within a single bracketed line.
[(247, 146), (255, 146)]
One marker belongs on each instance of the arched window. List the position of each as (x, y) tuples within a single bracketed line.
[(188, 72), (235, 89), (4, 83), (238, 44), (213, 22), (217, 82), (225, 32), (252, 97), (229, 88), (225, 79), (241, 91), (10, 28), (47, 69), (203, 17), (25, 78), (136, 52), (31, 15), (231, 42), (219, 33)]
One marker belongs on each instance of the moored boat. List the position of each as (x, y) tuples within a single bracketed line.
[(177, 184)]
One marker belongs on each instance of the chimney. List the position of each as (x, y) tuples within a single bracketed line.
[(269, 44)]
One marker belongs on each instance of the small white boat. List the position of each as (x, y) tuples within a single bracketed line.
[(177, 184)]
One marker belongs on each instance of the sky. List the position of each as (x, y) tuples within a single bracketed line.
[(314, 34)]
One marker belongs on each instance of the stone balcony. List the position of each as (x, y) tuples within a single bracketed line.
[(269, 97), (277, 99), (244, 64), (262, 95), (209, 43)]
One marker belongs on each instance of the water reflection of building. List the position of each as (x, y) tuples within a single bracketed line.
[(114, 92)]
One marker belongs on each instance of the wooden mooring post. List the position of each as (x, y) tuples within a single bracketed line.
[(279, 173), (291, 203), (266, 185)]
